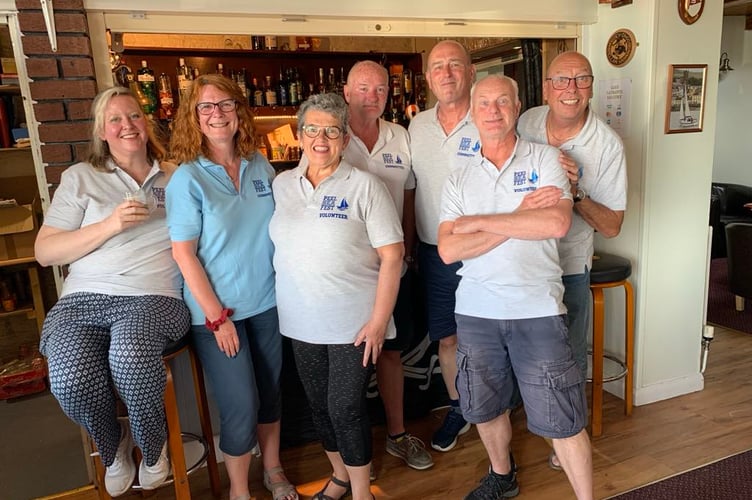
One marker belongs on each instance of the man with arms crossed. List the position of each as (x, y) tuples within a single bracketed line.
[(510, 317), (443, 139), (592, 156)]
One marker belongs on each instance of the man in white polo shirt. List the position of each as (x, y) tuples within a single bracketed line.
[(442, 139), (497, 217)]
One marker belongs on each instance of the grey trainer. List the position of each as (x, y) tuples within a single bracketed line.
[(411, 450)]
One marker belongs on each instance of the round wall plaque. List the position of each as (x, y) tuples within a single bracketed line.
[(620, 47), (690, 10)]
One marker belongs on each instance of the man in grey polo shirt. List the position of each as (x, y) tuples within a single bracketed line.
[(442, 139), (497, 217), (592, 156)]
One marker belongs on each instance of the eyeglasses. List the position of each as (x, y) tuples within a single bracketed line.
[(562, 82), (331, 132), (207, 108)]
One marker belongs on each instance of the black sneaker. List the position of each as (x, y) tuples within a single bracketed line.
[(454, 425), (493, 487)]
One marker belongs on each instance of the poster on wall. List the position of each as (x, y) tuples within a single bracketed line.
[(613, 104)]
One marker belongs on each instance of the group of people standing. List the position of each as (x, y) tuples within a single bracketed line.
[(320, 254)]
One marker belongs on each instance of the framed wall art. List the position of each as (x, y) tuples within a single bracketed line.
[(685, 102)]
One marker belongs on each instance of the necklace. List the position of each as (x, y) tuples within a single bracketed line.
[(557, 141)]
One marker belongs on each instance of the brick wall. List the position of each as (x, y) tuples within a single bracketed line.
[(63, 82)]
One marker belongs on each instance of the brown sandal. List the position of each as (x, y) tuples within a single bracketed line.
[(342, 484), (279, 489)]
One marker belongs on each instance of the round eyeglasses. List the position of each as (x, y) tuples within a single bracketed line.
[(207, 108), (313, 131), (562, 82)]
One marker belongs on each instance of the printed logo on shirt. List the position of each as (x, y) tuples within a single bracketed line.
[(329, 205), (525, 181), (159, 195), (392, 161), (467, 148), (262, 189)]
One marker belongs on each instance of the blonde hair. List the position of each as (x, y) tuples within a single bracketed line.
[(187, 142), (99, 151)]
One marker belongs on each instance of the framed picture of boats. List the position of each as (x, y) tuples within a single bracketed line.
[(685, 104)]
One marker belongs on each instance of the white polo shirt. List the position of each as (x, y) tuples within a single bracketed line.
[(599, 153), (518, 279), (325, 252), (435, 155), (138, 261)]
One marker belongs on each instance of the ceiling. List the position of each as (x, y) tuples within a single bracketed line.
[(737, 7)]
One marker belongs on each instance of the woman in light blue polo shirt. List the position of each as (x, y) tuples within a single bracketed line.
[(219, 203)]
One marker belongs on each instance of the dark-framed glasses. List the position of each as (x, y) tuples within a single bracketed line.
[(207, 108), (313, 131), (562, 82)]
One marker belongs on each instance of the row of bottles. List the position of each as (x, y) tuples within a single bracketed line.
[(407, 91)]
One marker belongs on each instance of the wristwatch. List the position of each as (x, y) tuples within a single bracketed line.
[(579, 195)]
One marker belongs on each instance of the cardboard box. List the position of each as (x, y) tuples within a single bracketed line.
[(18, 225)]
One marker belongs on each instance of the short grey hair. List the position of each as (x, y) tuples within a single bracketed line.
[(330, 103), (500, 78)]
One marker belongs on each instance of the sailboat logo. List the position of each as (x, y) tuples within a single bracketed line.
[(533, 178), (343, 205)]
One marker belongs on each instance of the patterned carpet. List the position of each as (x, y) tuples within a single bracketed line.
[(721, 309), (727, 479)]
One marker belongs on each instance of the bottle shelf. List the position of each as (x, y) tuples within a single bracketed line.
[(27, 309)]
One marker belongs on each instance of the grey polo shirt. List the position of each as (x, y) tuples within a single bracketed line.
[(599, 153), (435, 155), (325, 255)]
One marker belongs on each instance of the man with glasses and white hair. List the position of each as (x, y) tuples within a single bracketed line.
[(592, 155)]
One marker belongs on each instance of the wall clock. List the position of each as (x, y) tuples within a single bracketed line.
[(690, 10), (620, 47)]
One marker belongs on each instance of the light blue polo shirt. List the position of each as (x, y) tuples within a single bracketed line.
[(232, 229)]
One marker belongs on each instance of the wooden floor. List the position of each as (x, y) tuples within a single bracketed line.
[(657, 441)]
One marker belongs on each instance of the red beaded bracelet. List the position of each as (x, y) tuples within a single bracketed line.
[(214, 325)]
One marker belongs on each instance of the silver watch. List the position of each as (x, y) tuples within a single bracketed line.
[(579, 195)]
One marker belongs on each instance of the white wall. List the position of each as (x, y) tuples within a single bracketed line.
[(665, 230), (732, 160)]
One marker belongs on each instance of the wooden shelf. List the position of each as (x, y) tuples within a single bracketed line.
[(27, 309), (10, 89)]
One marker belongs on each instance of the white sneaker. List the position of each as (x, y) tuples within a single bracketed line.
[(119, 476), (151, 477)]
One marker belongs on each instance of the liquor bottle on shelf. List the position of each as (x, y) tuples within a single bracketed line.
[(185, 78), (321, 87), (395, 82), (407, 86), (270, 41), (143, 100), (145, 78), (240, 78), (6, 296), (257, 42), (420, 91), (220, 69), (331, 84), (342, 81), (258, 93), (196, 73), (166, 102), (292, 87), (282, 90), (300, 85), (269, 93)]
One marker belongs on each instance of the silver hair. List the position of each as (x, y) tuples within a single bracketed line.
[(330, 103), (500, 78)]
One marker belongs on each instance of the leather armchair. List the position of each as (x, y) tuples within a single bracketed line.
[(739, 246), (726, 207)]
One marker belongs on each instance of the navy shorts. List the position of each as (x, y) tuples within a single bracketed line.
[(440, 283), (403, 315), (537, 352)]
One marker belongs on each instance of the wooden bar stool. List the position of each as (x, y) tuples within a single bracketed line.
[(174, 434), (610, 271)]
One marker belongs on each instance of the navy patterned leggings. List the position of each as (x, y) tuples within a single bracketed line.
[(335, 383), (101, 346)]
